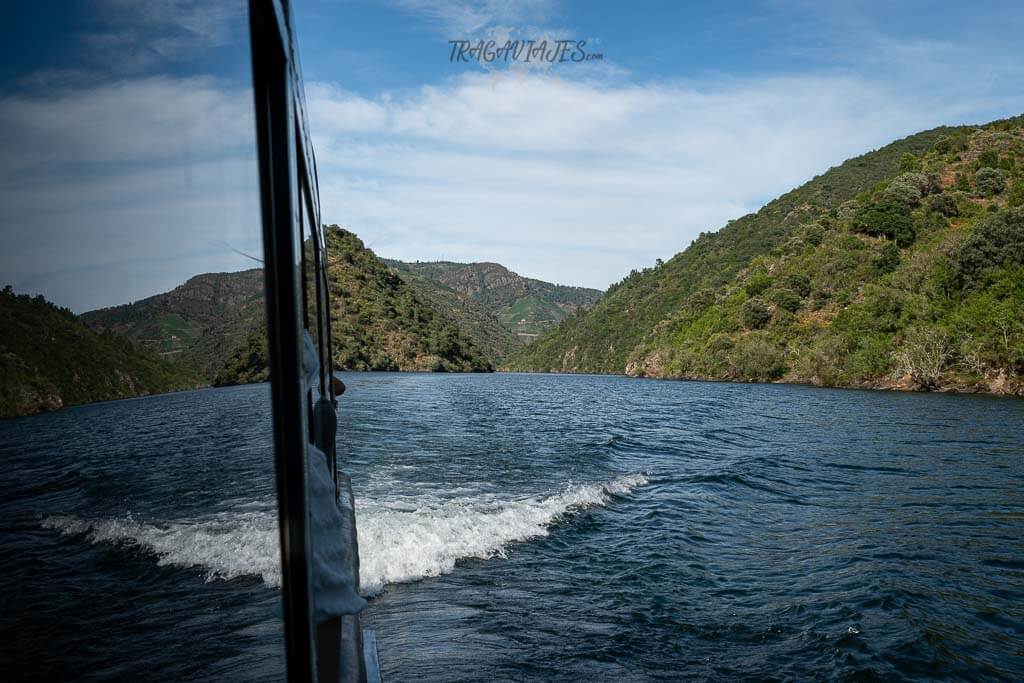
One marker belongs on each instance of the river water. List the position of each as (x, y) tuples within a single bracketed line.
[(533, 527)]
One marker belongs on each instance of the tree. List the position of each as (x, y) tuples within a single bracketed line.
[(888, 260), (923, 356), (1016, 196), (787, 299), (909, 162), (814, 234), (944, 204), (755, 314), (907, 188), (799, 283), (886, 219), (989, 181), (998, 239)]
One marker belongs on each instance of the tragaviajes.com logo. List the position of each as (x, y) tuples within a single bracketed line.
[(489, 52)]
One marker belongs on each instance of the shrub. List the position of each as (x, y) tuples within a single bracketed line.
[(944, 204), (755, 314), (1016, 196), (787, 299), (909, 162), (754, 357), (945, 145), (757, 283), (822, 362), (820, 298), (906, 189), (870, 355), (814, 234), (923, 356), (989, 181), (998, 239), (799, 283), (934, 183), (848, 209), (888, 260), (962, 183), (988, 157), (928, 221)]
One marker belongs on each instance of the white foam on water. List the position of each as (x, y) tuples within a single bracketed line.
[(398, 542), (396, 546), (226, 547)]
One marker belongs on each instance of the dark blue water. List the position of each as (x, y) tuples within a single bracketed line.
[(534, 527)]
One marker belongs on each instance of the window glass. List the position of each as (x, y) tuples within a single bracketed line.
[(311, 302), (130, 225)]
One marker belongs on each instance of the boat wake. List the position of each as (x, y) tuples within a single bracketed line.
[(226, 547), (398, 542)]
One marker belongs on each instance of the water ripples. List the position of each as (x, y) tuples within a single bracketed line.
[(507, 531)]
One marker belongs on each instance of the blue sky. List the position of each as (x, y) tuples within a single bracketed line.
[(127, 131)]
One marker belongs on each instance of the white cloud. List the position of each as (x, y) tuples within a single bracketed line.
[(466, 17), (117, 191), (131, 120), (579, 181), (140, 34)]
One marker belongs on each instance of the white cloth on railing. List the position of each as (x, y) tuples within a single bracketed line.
[(333, 566), (310, 363)]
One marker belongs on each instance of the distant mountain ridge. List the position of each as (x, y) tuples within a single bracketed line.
[(478, 295), (214, 324), (211, 330)]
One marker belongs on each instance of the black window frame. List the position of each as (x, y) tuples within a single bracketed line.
[(289, 193)]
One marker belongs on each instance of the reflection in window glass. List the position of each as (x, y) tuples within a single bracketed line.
[(132, 264), (310, 252)]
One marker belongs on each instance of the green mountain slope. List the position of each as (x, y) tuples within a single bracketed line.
[(50, 359), (899, 268), (492, 337), (378, 322), (198, 324), (525, 306)]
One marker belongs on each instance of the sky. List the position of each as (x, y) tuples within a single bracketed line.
[(128, 161)]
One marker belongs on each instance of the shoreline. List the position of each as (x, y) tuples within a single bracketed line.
[(1001, 386)]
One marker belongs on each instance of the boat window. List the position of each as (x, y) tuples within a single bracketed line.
[(313, 307), (132, 245)]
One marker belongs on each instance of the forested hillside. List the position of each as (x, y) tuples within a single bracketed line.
[(480, 292), (493, 337), (50, 359), (377, 322), (197, 324), (899, 268)]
